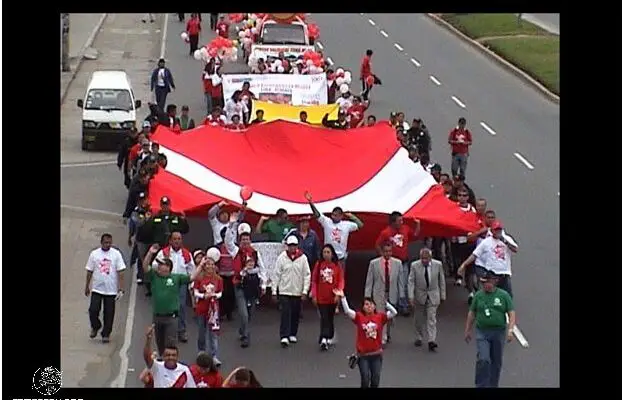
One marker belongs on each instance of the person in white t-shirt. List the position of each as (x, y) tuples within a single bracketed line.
[(168, 373), (105, 273), (219, 219), (494, 254), (336, 230), (235, 106)]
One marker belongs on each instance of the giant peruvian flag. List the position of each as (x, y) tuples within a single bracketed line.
[(365, 171)]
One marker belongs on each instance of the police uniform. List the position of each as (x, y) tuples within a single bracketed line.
[(137, 219), (158, 228)]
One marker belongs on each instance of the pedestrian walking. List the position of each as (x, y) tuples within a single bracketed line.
[(183, 264), (365, 72), (193, 29), (309, 242), (490, 309), (461, 248), (384, 282), (427, 289), (105, 280), (214, 18), (460, 140), (161, 83), (181, 17), (140, 214), (207, 290), (369, 325), (207, 74), (166, 287), (168, 373), (292, 282), (327, 276)]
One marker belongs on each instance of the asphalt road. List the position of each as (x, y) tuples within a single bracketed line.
[(526, 200)]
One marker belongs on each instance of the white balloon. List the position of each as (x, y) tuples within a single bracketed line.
[(204, 52), (241, 34), (309, 63), (243, 228), (280, 69), (184, 36), (340, 81), (244, 22), (340, 71), (347, 79), (197, 55), (347, 76), (254, 31), (234, 57), (344, 88), (214, 254)]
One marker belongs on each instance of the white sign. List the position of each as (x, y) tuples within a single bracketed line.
[(289, 50), (269, 251), (297, 90)]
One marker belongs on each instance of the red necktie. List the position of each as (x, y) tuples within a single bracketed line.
[(387, 275)]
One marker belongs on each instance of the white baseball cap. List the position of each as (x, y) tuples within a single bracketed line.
[(292, 239)]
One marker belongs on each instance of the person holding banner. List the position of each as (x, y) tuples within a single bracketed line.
[(355, 113)]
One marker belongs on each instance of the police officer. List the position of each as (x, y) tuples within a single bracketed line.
[(139, 216), (158, 228), (137, 186), (418, 135)]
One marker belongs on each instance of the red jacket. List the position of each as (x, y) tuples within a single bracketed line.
[(202, 307), (326, 277), (193, 27), (365, 67), (238, 263)]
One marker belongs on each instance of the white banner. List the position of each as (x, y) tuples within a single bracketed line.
[(269, 251), (296, 90), (289, 50)]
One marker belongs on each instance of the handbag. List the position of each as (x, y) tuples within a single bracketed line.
[(353, 360)]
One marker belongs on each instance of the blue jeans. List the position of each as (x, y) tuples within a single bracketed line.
[(403, 303), (205, 332), (490, 344), (459, 162), (245, 311), (182, 310), (208, 97), (370, 370)]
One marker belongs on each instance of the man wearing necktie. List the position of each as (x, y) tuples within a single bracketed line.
[(384, 281), (426, 290)]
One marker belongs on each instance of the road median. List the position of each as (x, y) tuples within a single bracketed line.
[(526, 49)]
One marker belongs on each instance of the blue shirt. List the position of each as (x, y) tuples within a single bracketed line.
[(310, 246)]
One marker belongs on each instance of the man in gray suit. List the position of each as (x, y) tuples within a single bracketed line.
[(384, 282), (426, 290)]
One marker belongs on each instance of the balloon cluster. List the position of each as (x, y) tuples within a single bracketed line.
[(223, 48), (342, 78), (248, 31), (313, 61)]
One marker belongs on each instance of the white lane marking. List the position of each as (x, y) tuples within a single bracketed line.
[(88, 164), (398, 47), (320, 45), (518, 334), (383, 33), (91, 210), (330, 61), (487, 128), (163, 43), (458, 102), (370, 21), (434, 80), (415, 62), (524, 161), (120, 381)]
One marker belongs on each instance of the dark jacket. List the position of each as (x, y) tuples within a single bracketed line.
[(137, 219), (420, 138), (334, 123), (124, 149), (169, 84), (136, 187), (158, 228)]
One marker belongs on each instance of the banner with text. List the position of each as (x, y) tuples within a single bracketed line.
[(289, 50), (269, 251), (298, 90)]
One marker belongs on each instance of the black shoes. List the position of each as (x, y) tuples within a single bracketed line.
[(433, 346), (93, 333), (418, 343)]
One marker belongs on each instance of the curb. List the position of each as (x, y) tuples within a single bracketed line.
[(80, 56), (504, 63)]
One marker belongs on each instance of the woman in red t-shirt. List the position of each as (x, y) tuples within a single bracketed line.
[(369, 326), (193, 28), (242, 377), (207, 290), (327, 276)]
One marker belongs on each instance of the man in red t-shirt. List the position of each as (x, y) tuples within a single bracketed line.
[(205, 372), (366, 68), (356, 112), (193, 28), (399, 234), (460, 140), (223, 28)]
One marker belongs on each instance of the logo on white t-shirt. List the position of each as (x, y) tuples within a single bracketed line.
[(105, 266), (336, 234)]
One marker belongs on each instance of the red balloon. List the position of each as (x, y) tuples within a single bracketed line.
[(370, 80), (246, 192)]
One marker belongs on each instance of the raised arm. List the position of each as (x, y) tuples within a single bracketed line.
[(230, 238), (345, 304), (391, 312), (262, 274), (147, 348), (356, 220), (315, 211)]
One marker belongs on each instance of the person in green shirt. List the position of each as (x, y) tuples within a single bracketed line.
[(277, 227), (165, 296), (493, 311)]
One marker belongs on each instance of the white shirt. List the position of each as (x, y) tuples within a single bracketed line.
[(166, 378), (179, 266), (105, 265), (337, 234), (343, 103), (161, 77), (493, 255), (233, 108), (217, 225), (213, 122)]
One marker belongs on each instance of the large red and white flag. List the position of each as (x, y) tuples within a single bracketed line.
[(365, 171)]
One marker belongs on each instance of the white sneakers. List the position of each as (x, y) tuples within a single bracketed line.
[(216, 361), (284, 342), (324, 345), (292, 339)]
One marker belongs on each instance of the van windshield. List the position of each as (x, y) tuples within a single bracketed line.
[(108, 99), (283, 34)]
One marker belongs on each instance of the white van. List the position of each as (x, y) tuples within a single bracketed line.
[(109, 110)]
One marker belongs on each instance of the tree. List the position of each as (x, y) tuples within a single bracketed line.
[(65, 43)]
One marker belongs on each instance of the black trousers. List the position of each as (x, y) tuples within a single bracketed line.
[(193, 43), (161, 96), (214, 18), (327, 312), (181, 17), (227, 303), (165, 331), (109, 312), (460, 251), (290, 311)]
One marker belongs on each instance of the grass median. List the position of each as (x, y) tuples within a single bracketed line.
[(525, 45)]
